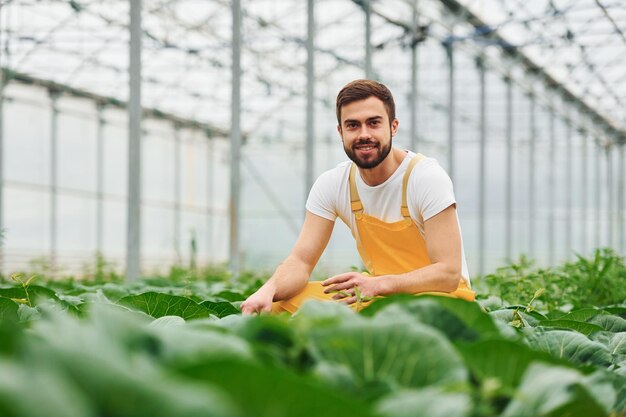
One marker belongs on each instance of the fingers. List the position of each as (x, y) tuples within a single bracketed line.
[(340, 287), (349, 301), (343, 294), (338, 278)]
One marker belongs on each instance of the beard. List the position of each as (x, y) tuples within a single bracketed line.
[(368, 162)]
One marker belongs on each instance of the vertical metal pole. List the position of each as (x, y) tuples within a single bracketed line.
[(414, 69), (609, 195), (133, 240), (509, 169), (598, 194), (483, 162), (584, 158), (2, 84), (177, 193), (235, 139), (451, 109), (54, 157), (568, 188), (621, 194), (531, 176), (210, 211), (100, 182), (551, 189), (2, 165), (310, 98), (367, 5)]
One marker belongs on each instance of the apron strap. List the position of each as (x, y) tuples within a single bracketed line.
[(355, 201), (404, 209)]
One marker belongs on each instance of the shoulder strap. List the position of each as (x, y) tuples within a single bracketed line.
[(404, 209), (355, 200)]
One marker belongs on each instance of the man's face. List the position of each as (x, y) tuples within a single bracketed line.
[(365, 132)]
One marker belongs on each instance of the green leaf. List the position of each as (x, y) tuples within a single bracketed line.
[(582, 314), (8, 310), (615, 343), (220, 308), (555, 391), (427, 402), (36, 293), (610, 323), (571, 346), (502, 360), (274, 392), (159, 305), (457, 319), (387, 352), (230, 296), (40, 391), (579, 326)]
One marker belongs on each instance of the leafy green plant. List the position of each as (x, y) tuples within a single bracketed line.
[(24, 284)]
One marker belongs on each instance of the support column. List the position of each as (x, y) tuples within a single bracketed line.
[(584, 189), (482, 164), (210, 202), (414, 71), (598, 194), (310, 99), (133, 240), (509, 169), (609, 196), (551, 189), (568, 188), (100, 182), (367, 5), (531, 177), (177, 194), (54, 157), (451, 109), (235, 140), (2, 165), (621, 194)]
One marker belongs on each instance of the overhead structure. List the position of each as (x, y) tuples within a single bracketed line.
[(550, 81)]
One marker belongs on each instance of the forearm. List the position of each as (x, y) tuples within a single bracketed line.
[(288, 280), (439, 277)]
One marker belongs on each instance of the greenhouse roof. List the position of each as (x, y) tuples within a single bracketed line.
[(578, 44)]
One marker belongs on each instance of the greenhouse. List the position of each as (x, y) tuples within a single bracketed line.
[(157, 156)]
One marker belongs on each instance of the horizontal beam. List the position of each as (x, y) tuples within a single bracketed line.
[(209, 130)]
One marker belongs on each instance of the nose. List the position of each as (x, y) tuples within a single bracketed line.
[(364, 132)]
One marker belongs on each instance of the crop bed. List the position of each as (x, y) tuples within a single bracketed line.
[(162, 347)]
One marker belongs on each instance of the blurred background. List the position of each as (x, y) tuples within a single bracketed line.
[(152, 133)]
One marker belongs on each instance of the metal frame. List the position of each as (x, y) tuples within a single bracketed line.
[(235, 140), (133, 240)]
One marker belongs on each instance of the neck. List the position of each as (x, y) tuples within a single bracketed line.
[(384, 170)]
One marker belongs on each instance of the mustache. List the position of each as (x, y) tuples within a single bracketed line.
[(364, 143)]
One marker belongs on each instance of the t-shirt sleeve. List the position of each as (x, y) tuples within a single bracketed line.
[(322, 199), (433, 190)]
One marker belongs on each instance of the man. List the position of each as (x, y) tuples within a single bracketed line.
[(399, 206)]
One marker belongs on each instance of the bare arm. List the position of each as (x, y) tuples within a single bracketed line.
[(443, 243), (293, 273)]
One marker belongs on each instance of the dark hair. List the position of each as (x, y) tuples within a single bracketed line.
[(362, 89)]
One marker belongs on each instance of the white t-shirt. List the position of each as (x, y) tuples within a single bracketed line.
[(429, 192)]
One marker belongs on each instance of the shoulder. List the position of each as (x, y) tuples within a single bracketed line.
[(334, 176), (428, 172)]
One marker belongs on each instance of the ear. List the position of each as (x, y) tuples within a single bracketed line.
[(394, 127), (339, 129)]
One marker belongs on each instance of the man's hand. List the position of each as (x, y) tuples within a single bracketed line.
[(259, 302), (345, 284)]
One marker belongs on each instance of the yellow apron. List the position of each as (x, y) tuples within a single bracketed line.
[(385, 248)]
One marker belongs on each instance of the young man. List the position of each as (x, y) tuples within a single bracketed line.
[(399, 206)]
